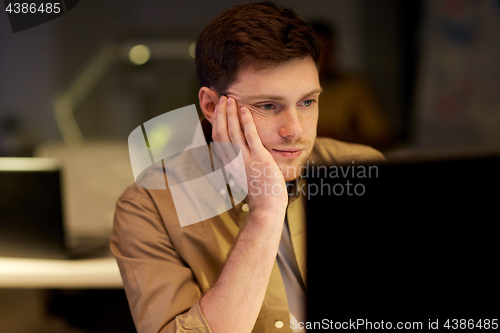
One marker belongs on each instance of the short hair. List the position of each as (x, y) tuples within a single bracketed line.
[(260, 35)]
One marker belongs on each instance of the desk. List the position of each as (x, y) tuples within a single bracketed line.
[(90, 273)]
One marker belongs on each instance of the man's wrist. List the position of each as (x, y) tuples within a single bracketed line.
[(267, 216)]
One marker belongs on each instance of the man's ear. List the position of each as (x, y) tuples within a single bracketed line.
[(208, 99)]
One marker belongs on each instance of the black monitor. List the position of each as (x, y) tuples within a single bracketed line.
[(414, 239), (31, 216)]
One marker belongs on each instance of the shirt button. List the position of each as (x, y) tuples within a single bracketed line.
[(279, 324), (222, 192), (245, 208), (231, 183)]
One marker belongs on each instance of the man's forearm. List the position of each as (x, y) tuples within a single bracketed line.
[(233, 303)]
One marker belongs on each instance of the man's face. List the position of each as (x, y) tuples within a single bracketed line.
[(284, 105)]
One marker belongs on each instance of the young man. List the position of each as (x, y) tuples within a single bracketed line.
[(243, 270)]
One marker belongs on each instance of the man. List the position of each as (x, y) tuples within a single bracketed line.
[(243, 270)]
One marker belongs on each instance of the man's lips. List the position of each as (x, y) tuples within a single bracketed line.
[(288, 152)]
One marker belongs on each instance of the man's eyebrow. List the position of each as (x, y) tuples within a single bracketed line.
[(314, 92), (278, 98)]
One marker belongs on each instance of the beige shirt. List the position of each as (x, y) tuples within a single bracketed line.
[(166, 268)]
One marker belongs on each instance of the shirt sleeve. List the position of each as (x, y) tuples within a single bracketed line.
[(161, 290)]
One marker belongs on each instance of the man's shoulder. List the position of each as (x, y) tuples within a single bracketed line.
[(331, 151), (133, 192), (137, 198)]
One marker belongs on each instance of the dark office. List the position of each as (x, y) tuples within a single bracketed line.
[(238, 166)]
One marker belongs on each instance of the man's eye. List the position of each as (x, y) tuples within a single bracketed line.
[(308, 102), (267, 107)]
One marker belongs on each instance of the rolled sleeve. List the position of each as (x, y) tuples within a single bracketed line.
[(161, 290)]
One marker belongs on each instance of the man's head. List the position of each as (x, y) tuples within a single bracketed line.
[(266, 58)]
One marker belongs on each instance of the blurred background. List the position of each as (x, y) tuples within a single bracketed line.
[(407, 77)]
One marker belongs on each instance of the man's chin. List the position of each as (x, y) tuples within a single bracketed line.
[(293, 171), (292, 168), (290, 178)]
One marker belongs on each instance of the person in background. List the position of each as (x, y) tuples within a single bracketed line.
[(349, 109)]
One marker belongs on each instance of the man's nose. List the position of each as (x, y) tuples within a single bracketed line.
[(291, 124)]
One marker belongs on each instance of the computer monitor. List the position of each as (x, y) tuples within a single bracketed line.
[(404, 239), (31, 216)]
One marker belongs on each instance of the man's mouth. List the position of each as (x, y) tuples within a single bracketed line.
[(288, 152)]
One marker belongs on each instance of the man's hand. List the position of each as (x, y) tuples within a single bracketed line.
[(234, 301), (266, 185)]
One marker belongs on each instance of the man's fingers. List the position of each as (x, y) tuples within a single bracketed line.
[(214, 123), (234, 127), (220, 132), (250, 131), (218, 150)]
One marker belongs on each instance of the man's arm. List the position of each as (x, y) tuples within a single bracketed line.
[(161, 289), (234, 302)]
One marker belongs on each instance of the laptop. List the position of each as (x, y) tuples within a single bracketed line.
[(403, 239), (32, 222)]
